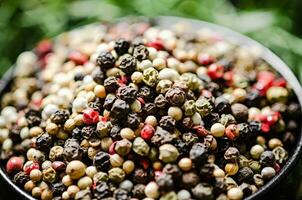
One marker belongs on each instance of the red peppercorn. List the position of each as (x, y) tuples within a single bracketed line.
[(158, 45), (231, 132), (145, 164), (147, 132), (215, 71), (200, 130), (78, 58), (205, 59), (112, 148), (280, 82), (44, 47), (141, 100), (14, 164), (265, 80), (228, 77), (123, 80), (90, 116), (265, 128), (277, 167), (29, 167)]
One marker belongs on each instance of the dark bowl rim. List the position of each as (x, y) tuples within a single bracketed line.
[(229, 35)]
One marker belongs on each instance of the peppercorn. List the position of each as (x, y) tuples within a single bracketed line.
[(72, 150), (268, 173), (165, 182), (168, 153), (254, 165), (90, 116), (105, 60), (161, 137), (33, 117), (190, 180), (232, 132), (151, 190), (127, 63), (222, 105), (20, 179), (149, 109), (120, 194), (140, 176), (147, 132), (256, 151), (121, 46), (44, 142), (102, 161), (119, 109), (111, 84), (231, 168), (203, 191), (217, 130), (267, 158), (49, 175), (140, 146), (183, 195), (240, 112), (140, 52), (14, 164), (57, 188), (102, 129), (146, 93), (150, 76), (203, 106), (83, 194), (123, 147), (167, 122), (160, 101), (60, 116), (245, 174), (175, 96), (133, 120), (280, 154), (231, 154), (138, 191), (198, 153), (235, 193)]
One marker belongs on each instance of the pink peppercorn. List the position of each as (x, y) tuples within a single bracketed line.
[(43, 47), (201, 131), (205, 59), (215, 71), (156, 45), (90, 116), (78, 58), (29, 167), (147, 132), (280, 82), (265, 128), (111, 148), (231, 132), (14, 164)]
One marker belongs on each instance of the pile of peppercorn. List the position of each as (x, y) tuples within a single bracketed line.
[(131, 111)]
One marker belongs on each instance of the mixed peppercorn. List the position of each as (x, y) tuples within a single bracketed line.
[(131, 111)]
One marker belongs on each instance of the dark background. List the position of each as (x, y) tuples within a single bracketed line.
[(275, 23)]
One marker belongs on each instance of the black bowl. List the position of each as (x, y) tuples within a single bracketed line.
[(229, 35)]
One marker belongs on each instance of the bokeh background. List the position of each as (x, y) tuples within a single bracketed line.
[(275, 23)]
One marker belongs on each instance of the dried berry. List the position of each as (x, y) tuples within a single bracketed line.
[(127, 64), (44, 142), (72, 150), (140, 52), (175, 96), (119, 109), (88, 131), (60, 116), (105, 60), (126, 93), (102, 161), (121, 46), (165, 182), (33, 117), (21, 178), (167, 123), (198, 153), (101, 190), (111, 84)]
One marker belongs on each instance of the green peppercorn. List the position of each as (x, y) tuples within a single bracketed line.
[(280, 154), (123, 147), (100, 177), (150, 76), (140, 146), (168, 153), (256, 151), (116, 174), (49, 175), (189, 107), (277, 94), (254, 165)]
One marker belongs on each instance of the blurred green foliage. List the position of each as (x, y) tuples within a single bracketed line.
[(272, 22)]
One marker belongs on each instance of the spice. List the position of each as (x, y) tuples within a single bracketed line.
[(14, 164), (240, 112), (280, 154), (268, 173), (168, 153), (165, 183), (105, 60), (198, 153), (123, 147), (267, 158), (90, 116), (140, 146), (102, 161), (140, 52), (175, 96), (167, 123), (121, 46), (203, 191), (185, 164), (235, 193), (75, 169), (175, 113), (183, 195), (72, 150), (231, 154), (150, 76), (217, 130), (256, 151)]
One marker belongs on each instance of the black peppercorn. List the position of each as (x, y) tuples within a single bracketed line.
[(199, 153), (76, 133), (78, 77), (165, 182), (127, 64), (58, 188), (175, 96), (121, 46), (120, 194), (294, 110), (140, 176), (101, 190), (207, 172), (190, 180), (44, 142), (96, 105), (211, 119), (149, 109), (111, 84), (21, 178), (253, 98), (119, 109), (267, 159), (109, 100), (105, 60), (102, 161), (244, 131), (115, 132), (98, 76), (83, 194), (173, 170), (133, 120), (33, 117), (60, 116), (255, 127), (203, 191), (246, 189), (245, 174), (222, 105), (72, 150), (190, 138), (126, 93), (167, 123), (161, 102), (140, 52), (146, 93), (138, 191), (88, 131), (161, 137), (182, 147), (240, 112)]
